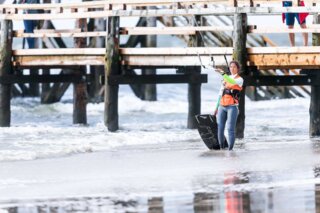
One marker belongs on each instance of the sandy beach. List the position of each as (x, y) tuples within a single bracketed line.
[(175, 177)]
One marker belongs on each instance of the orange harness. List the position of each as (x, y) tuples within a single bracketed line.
[(231, 94)]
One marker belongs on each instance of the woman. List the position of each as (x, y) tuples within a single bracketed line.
[(227, 106)]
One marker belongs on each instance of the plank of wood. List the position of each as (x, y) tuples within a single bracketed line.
[(157, 79), (12, 79), (57, 61), (283, 50), (163, 12), (279, 80), (77, 30), (60, 52), (172, 61), (102, 4), (177, 51), (167, 51), (283, 30), (269, 41), (263, 61), (311, 60), (127, 51), (189, 30), (20, 34)]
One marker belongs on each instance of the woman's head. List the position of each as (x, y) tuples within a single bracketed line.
[(234, 67)]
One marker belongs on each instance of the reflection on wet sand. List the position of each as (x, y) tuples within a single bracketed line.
[(155, 205), (230, 200), (317, 189)]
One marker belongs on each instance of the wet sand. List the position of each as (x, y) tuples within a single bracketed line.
[(178, 177)]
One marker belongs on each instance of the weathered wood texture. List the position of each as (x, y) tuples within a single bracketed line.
[(167, 51), (158, 79), (134, 41), (112, 67), (240, 54), (5, 69), (149, 92), (45, 87), (127, 8), (276, 10), (314, 129), (262, 57), (194, 89), (80, 89), (95, 87)]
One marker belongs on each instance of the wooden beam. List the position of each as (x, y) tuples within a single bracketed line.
[(76, 30), (171, 30), (314, 110), (112, 68), (283, 50), (13, 79), (5, 69), (80, 88), (164, 12), (240, 55), (149, 91), (105, 4), (283, 30), (60, 52), (285, 60), (59, 34), (57, 61), (172, 61), (157, 79), (165, 51), (169, 51), (281, 80), (284, 57)]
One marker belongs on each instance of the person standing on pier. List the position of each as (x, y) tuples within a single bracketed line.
[(227, 106), (289, 18), (30, 25)]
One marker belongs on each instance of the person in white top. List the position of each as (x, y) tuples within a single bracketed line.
[(227, 106)]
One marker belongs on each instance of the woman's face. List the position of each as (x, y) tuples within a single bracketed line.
[(233, 68)]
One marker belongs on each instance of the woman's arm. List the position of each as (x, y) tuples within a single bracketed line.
[(238, 81)]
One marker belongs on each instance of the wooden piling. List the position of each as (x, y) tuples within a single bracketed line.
[(240, 54), (54, 93), (80, 88), (94, 88), (34, 88), (112, 67), (194, 89), (5, 69), (45, 87), (314, 110), (150, 90)]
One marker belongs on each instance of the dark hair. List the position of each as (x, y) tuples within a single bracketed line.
[(236, 63)]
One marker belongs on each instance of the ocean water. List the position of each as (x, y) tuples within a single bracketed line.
[(154, 163)]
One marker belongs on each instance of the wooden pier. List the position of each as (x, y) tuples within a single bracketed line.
[(119, 61)]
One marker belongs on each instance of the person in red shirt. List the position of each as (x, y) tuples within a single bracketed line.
[(289, 19)]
